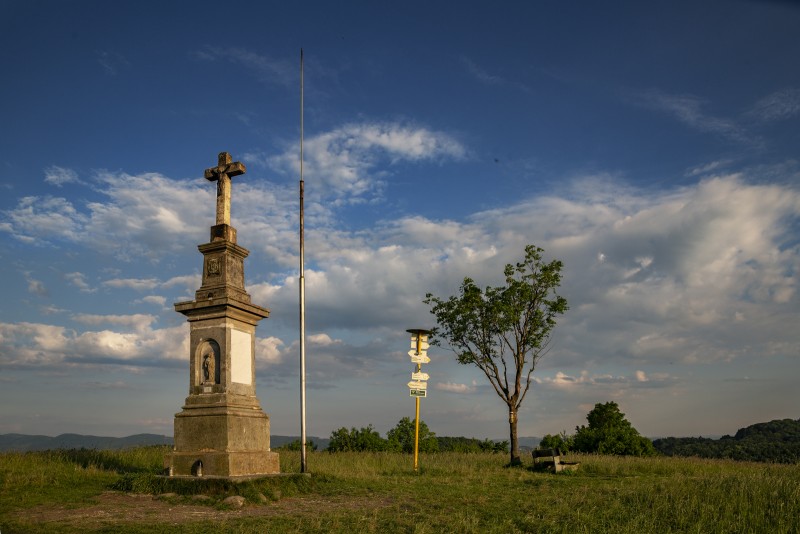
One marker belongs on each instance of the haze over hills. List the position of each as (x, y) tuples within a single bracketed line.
[(773, 441), (25, 442)]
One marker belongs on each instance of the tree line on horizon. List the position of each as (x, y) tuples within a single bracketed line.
[(401, 439), (608, 432)]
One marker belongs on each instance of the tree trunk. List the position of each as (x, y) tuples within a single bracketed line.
[(512, 424)]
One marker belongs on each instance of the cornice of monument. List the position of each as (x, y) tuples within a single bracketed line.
[(197, 310), (229, 246)]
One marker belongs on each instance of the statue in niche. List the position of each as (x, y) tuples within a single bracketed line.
[(208, 362), (209, 368)]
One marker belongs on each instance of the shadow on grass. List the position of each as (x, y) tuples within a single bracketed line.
[(139, 470), (271, 487), (121, 462)]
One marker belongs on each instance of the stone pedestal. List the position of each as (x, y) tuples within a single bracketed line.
[(222, 430), (225, 436)]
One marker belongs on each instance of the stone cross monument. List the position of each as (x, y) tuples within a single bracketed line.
[(222, 430)]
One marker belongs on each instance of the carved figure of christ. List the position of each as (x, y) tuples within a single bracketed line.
[(222, 174)]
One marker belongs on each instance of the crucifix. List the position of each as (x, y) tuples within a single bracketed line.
[(222, 174), (222, 427)]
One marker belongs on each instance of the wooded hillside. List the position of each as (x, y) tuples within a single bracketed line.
[(775, 441)]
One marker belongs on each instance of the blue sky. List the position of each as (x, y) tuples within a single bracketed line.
[(652, 147)]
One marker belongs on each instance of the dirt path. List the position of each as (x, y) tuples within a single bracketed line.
[(115, 507)]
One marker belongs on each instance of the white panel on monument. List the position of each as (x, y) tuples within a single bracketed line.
[(241, 357)]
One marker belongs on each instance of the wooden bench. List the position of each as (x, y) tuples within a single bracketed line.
[(550, 460)]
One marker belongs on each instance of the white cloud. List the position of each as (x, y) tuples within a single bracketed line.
[(487, 78), (155, 299), (111, 61), (688, 109), (35, 286), (51, 310), (137, 284), (138, 322), (189, 282), (480, 74), (698, 274), (650, 277), (267, 69), (145, 217), (780, 105), (41, 220), (79, 280), (268, 350), (59, 176), (148, 215), (29, 344), (598, 385), (322, 340), (454, 387), (708, 168), (50, 346), (342, 163)]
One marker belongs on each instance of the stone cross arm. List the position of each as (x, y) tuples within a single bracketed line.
[(222, 174)]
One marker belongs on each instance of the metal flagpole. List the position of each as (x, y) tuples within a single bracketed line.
[(303, 464)]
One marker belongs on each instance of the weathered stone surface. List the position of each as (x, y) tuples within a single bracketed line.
[(222, 430), (223, 271), (222, 174), (236, 501)]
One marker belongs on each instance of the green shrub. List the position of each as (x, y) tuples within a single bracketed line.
[(365, 439)]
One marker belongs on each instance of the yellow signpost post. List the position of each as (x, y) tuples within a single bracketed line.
[(418, 386)]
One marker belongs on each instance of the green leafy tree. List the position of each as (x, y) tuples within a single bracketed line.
[(361, 440), (610, 433), (471, 445), (488, 445), (504, 330), (401, 437), (295, 445), (562, 442)]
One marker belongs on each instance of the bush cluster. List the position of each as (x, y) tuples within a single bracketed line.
[(401, 439), (398, 439), (608, 432)]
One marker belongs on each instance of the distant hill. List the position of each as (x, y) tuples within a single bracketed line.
[(529, 443), (775, 441), (25, 442), (279, 441)]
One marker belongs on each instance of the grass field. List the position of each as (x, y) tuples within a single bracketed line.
[(111, 491)]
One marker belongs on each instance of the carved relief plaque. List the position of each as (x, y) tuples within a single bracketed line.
[(213, 267)]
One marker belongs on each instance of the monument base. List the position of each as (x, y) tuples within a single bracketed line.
[(221, 435), (222, 464)]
